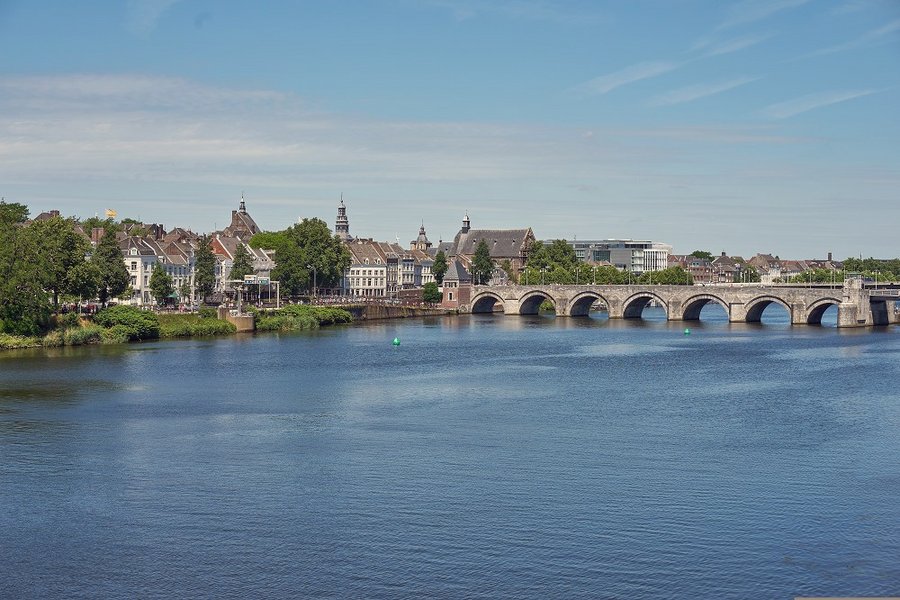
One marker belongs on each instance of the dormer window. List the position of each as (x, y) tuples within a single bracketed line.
[(134, 251)]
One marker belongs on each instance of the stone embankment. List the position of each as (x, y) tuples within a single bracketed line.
[(369, 312)]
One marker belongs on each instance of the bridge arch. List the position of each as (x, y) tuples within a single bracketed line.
[(756, 307), (815, 310), (485, 302), (580, 305), (530, 302), (635, 304), (693, 306)]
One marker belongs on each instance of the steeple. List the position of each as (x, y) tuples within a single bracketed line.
[(243, 207), (421, 242), (342, 224), (465, 227)]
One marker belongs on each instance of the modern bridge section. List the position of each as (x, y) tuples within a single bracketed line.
[(857, 306)]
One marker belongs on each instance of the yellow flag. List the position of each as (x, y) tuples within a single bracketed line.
[(110, 213)]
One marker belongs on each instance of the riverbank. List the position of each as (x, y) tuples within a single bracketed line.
[(121, 324)]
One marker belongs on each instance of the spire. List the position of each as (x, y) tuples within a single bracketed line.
[(466, 224), (342, 223), (243, 207)]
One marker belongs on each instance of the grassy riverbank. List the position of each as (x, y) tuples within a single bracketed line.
[(120, 324), (300, 318)]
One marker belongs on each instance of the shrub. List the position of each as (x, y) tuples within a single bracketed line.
[(301, 317), (53, 339), (139, 324), (207, 313), (117, 334), (68, 320), (12, 342), (90, 334), (190, 325)]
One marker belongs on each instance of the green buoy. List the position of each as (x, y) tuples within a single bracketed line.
[(687, 331), (396, 341)]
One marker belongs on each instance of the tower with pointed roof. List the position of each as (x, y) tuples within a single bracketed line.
[(342, 224), (466, 224), (421, 242)]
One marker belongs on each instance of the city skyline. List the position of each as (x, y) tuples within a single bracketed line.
[(743, 127)]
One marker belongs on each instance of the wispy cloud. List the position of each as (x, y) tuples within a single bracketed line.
[(532, 10), (790, 108), (711, 47), (751, 11), (631, 74), (869, 38), (696, 92), (143, 15)]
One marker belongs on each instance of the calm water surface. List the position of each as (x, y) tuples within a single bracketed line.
[(484, 457)]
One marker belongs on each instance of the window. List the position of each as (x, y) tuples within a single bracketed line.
[(134, 265)]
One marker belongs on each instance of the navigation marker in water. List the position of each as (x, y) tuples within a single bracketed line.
[(396, 341), (687, 331)]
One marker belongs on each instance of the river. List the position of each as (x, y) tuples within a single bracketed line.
[(483, 457)]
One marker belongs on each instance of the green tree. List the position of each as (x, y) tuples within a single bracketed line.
[(92, 223), (114, 277), (431, 294), (670, 276), (83, 280), (747, 274), (24, 305), (562, 254), (243, 263), (300, 248), (61, 250), (184, 292), (160, 284), (608, 275), (204, 269), (439, 268), (702, 254), (507, 267), (482, 265)]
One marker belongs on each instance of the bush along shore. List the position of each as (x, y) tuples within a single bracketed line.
[(298, 317), (120, 324)]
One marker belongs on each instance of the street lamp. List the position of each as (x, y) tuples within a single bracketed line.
[(594, 275), (314, 280), (543, 270)]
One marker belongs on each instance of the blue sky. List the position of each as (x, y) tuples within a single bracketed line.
[(738, 126)]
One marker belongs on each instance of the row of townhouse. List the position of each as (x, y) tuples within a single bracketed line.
[(384, 269), (735, 269), (175, 252)]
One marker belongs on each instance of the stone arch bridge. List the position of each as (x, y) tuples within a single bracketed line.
[(858, 306)]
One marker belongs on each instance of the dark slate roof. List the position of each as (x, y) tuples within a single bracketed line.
[(457, 272), (502, 243)]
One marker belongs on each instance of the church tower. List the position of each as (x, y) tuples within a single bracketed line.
[(342, 224), (465, 227), (421, 242)]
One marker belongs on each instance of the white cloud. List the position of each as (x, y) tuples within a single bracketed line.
[(607, 83), (717, 48), (790, 108), (751, 11), (867, 39), (143, 15), (532, 10), (696, 92)]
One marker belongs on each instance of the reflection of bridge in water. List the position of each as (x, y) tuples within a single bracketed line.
[(857, 304)]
